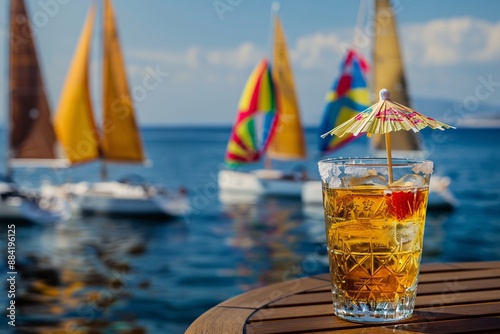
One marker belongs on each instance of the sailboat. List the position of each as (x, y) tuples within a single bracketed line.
[(282, 136), (31, 134), (119, 140), (388, 72)]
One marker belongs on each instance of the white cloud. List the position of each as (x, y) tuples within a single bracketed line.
[(245, 55), (453, 41), (309, 52), (314, 51), (441, 42), (241, 57), (442, 57), (192, 57)]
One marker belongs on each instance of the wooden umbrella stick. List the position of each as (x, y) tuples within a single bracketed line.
[(389, 155)]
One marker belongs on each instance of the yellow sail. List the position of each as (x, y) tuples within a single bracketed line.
[(288, 142), (121, 140), (388, 72), (74, 122)]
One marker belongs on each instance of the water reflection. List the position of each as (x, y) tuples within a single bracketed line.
[(434, 236), (83, 277), (270, 235), (100, 275)]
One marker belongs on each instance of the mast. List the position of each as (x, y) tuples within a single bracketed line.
[(100, 87), (388, 72), (275, 8), (8, 167), (31, 135)]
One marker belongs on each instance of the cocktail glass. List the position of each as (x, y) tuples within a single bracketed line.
[(374, 233)]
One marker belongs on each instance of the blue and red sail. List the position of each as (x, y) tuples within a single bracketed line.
[(349, 96)]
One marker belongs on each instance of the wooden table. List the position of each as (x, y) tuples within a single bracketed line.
[(452, 298)]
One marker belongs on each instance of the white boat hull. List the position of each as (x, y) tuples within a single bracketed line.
[(440, 196), (274, 183), (11, 210), (14, 208), (110, 205), (115, 198)]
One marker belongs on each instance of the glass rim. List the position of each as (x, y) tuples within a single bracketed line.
[(373, 162)]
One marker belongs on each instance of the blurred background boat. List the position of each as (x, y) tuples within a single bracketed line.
[(349, 96), (282, 135), (32, 141), (117, 141), (28, 205)]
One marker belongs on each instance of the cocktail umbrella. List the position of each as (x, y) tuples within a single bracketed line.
[(384, 117)]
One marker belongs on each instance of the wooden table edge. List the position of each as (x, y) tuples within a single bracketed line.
[(230, 316)]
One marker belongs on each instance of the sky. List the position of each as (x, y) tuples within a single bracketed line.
[(188, 61)]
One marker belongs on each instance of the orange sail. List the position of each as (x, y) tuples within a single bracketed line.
[(121, 140), (31, 133), (288, 142), (74, 122), (388, 72)]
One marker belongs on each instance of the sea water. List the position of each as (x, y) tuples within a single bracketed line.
[(159, 276)]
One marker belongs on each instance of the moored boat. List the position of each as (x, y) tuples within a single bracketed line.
[(351, 90), (118, 140), (270, 91), (31, 141)]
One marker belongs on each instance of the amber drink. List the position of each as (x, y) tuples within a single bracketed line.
[(374, 231)]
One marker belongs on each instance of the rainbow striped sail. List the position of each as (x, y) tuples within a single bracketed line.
[(349, 96), (256, 120)]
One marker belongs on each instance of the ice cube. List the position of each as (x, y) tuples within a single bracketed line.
[(406, 235), (409, 180), (330, 174), (367, 180), (426, 168)]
